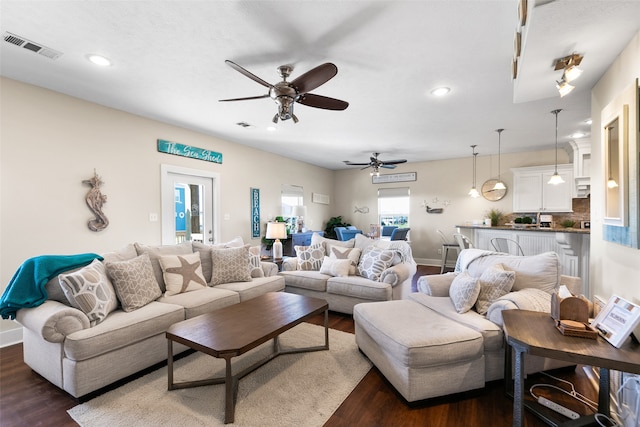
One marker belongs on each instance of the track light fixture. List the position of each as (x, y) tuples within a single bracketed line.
[(571, 72)]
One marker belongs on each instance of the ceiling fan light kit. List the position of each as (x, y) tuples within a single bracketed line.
[(285, 94)]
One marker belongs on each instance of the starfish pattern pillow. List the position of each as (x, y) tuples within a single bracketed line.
[(182, 273)]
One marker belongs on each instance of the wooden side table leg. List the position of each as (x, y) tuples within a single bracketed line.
[(518, 390), (604, 399)]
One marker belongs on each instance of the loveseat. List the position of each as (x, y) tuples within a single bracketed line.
[(108, 320), (345, 273), (447, 337)]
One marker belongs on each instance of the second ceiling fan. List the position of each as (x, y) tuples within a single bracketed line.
[(376, 163), (285, 93)]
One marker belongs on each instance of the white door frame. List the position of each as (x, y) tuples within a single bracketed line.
[(168, 202)]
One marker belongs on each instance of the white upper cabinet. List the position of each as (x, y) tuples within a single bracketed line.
[(532, 193)]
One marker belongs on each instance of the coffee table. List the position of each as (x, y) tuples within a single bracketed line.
[(234, 330)]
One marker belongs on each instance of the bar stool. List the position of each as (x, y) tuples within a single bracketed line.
[(446, 246)]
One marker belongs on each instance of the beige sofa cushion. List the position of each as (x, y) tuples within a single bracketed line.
[(359, 287), (312, 280), (256, 287), (536, 271), (202, 301)]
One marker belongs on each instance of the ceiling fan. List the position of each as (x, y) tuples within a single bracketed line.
[(376, 163), (286, 93)]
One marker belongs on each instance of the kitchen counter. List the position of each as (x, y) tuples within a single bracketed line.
[(544, 230)]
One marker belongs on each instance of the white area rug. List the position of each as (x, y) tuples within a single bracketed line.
[(292, 390)]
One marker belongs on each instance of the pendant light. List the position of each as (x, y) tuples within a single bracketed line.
[(473, 192), (499, 185), (556, 178)]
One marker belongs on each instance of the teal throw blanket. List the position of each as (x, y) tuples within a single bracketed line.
[(27, 286)]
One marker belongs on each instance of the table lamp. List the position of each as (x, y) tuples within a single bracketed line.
[(277, 230), (299, 212)]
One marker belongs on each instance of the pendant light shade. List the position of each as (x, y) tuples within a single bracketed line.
[(556, 178), (474, 192), (499, 185)]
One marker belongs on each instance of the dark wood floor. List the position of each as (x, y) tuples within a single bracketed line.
[(26, 399)]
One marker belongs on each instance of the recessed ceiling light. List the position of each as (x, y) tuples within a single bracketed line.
[(588, 121), (272, 128), (99, 60), (578, 135), (440, 91)]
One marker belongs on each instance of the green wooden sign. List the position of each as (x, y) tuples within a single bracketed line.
[(178, 149)]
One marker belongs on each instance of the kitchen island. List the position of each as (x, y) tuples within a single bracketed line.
[(571, 244)]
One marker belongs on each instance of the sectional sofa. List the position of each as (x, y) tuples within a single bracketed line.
[(107, 320), (346, 273), (447, 338)]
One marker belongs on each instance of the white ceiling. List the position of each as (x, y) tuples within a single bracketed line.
[(168, 64)]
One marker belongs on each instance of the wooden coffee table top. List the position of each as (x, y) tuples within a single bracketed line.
[(233, 330)]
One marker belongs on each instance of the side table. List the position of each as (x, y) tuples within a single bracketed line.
[(535, 333)]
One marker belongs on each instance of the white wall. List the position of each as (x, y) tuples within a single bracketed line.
[(615, 269), (448, 180), (50, 143)]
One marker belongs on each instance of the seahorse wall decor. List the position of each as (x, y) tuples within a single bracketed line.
[(95, 199)]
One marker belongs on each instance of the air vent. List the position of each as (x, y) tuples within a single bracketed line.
[(244, 124), (30, 45)]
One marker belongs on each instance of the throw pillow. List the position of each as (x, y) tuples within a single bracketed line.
[(374, 261), (90, 290), (335, 267), (464, 292), (182, 273), (155, 252), (352, 254), (134, 282), (230, 265), (205, 253), (310, 257), (495, 282), (254, 262)]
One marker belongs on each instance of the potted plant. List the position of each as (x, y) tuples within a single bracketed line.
[(495, 215)]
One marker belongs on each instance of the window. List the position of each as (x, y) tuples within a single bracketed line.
[(393, 206)]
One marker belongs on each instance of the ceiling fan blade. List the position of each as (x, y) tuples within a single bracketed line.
[(387, 166), (319, 101), (348, 163), (247, 73), (315, 77), (393, 162), (244, 99)]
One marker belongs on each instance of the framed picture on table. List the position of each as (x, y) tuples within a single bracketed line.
[(617, 320)]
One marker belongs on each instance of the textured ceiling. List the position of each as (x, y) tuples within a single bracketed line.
[(168, 64)]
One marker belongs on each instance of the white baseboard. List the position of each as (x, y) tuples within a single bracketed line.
[(429, 262), (10, 337)]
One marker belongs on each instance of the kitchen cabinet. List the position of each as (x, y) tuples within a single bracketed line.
[(531, 193)]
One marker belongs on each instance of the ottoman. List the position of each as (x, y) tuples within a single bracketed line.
[(421, 353)]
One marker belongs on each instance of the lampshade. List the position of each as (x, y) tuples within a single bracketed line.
[(276, 230), (299, 210), (556, 178)]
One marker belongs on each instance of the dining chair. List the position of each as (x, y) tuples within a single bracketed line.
[(399, 234), (446, 247), (509, 246)]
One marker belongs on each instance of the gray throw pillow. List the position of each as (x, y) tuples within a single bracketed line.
[(230, 265), (464, 292), (374, 261), (134, 282)]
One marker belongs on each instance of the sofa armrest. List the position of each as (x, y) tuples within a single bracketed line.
[(436, 285), (398, 273), (290, 264), (269, 268), (574, 284), (52, 320)]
